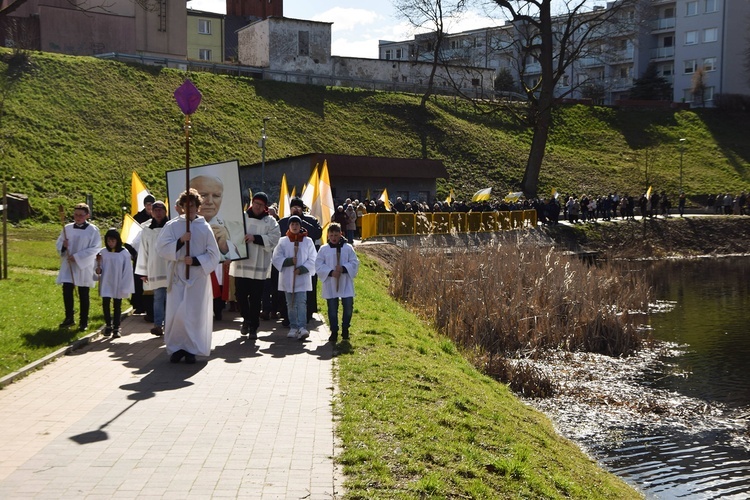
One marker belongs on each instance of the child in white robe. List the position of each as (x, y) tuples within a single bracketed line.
[(114, 271)]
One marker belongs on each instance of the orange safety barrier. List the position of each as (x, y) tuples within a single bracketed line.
[(408, 223)]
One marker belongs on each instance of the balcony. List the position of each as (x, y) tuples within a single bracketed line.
[(591, 61), (621, 55), (667, 23), (662, 53)]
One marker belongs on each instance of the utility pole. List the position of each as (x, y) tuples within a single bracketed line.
[(262, 144)]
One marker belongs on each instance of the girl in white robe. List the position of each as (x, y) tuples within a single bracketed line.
[(188, 325), (114, 270)]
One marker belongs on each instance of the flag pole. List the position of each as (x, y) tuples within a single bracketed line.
[(187, 189), (188, 98)]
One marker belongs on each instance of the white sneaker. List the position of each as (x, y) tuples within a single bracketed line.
[(303, 333), (292, 333)]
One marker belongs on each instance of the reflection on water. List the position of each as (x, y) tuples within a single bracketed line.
[(709, 324), (673, 421)]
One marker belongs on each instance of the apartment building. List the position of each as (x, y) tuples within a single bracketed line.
[(205, 36), (678, 36)]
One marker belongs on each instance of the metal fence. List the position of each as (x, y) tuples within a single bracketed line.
[(408, 223)]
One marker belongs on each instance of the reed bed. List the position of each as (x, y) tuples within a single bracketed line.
[(509, 302)]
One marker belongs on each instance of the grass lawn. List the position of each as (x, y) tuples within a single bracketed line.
[(32, 304)]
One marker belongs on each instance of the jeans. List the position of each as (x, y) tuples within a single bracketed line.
[(333, 313), (160, 304), (296, 304)]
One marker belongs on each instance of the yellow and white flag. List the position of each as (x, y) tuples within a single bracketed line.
[(311, 190), (138, 192), (325, 195), (385, 200), (482, 194), (514, 196), (648, 193), (130, 231), (283, 199), (449, 199)]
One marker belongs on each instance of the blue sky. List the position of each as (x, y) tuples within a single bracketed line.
[(357, 24)]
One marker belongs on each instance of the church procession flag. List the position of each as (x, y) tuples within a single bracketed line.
[(385, 200), (283, 199), (130, 231), (138, 192), (310, 190), (482, 194), (513, 196), (449, 199)]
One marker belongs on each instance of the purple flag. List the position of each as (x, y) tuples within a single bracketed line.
[(188, 97)]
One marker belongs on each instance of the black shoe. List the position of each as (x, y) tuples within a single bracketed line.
[(345, 335), (68, 322), (244, 329), (285, 322), (334, 337), (177, 356), (189, 358), (116, 333), (107, 331), (83, 327), (157, 330), (252, 334)]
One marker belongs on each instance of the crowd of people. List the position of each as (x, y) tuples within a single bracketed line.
[(188, 268)]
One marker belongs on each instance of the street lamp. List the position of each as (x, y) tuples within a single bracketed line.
[(262, 146), (682, 151)]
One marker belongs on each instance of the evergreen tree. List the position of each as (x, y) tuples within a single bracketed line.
[(650, 86)]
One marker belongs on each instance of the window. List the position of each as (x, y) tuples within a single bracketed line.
[(666, 70), (708, 94), (303, 38), (387, 55), (691, 8), (668, 12), (399, 52), (690, 66), (668, 41), (711, 6), (204, 54), (691, 37), (709, 64), (624, 72), (204, 26), (710, 35), (687, 95)]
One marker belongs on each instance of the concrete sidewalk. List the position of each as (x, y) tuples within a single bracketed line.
[(116, 419)]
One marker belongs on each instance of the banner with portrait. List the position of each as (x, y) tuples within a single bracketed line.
[(219, 186)]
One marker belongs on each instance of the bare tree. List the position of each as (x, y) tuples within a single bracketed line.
[(431, 15), (554, 42)]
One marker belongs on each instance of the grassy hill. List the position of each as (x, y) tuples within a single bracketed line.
[(77, 125)]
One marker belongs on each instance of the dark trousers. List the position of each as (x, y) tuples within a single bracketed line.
[(109, 319), (249, 294), (83, 296)]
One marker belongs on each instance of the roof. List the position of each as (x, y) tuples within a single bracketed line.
[(373, 166)]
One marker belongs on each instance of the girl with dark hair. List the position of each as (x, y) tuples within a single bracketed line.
[(114, 271)]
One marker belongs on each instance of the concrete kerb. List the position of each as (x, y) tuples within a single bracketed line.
[(49, 358)]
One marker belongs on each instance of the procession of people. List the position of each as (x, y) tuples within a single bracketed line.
[(179, 262)]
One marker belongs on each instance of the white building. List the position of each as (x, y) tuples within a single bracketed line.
[(299, 51), (679, 36)]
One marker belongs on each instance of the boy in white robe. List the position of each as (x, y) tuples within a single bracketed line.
[(77, 245), (336, 267), (188, 324), (294, 258)]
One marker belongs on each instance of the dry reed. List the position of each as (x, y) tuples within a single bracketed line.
[(516, 301)]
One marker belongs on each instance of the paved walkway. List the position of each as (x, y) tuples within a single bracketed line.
[(115, 419)]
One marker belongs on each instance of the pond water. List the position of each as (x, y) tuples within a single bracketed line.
[(674, 421), (710, 325)]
